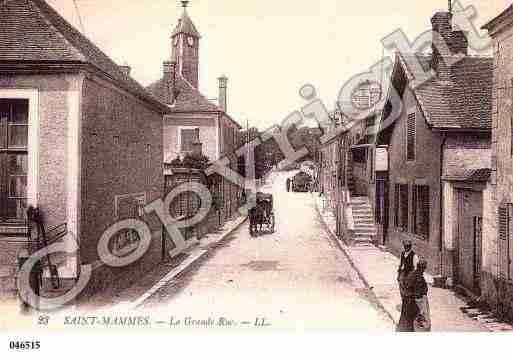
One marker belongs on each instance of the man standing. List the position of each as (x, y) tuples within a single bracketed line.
[(288, 184), (409, 261)]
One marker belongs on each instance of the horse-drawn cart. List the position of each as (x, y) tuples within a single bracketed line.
[(262, 215)]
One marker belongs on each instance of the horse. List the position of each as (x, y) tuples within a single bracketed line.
[(258, 216)]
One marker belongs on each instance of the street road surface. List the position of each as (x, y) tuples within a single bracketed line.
[(296, 278)]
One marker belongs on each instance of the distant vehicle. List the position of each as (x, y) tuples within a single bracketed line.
[(262, 215), (301, 182)]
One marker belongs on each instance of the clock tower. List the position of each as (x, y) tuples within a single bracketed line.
[(185, 45)]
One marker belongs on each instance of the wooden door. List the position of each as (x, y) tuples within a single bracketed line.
[(470, 209)]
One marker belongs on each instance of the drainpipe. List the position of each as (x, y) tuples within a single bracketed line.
[(442, 222)]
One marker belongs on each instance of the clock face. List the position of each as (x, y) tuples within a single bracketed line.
[(190, 41)]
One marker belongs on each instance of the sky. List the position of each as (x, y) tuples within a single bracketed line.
[(267, 48)]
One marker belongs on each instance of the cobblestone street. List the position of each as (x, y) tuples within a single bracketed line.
[(295, 278)]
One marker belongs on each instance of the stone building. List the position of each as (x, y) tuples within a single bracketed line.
[(439, 155), (79, 139), (497, 252), (192, 114)]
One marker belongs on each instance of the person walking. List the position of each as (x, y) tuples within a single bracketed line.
[(409, 261), (415, 314)]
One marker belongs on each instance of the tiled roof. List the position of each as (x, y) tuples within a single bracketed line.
[(464, 102), (186, 26), (490, 25), (189, 99), (470, 175), (31, 31)]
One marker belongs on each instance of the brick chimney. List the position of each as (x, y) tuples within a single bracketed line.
[(446, 43), (125, 69), (459, 43), (223, 100), (169, 79)]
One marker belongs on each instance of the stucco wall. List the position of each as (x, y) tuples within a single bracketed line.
[(121, 154), (425, 170), (461, 152), (53, 112), (498, 292), (208, 134), (53, 155)]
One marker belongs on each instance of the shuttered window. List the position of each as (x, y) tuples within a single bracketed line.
[(396, 205), (401, 207), (504, 217), (410, 138), (372, 156), (511, 125), (420, 210), (404, 207)]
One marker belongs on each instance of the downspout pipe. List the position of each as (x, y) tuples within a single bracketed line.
[(442, 197)]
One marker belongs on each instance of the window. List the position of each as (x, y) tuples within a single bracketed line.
[(372, 156), (420, 210), (401, 207), (410, 138), (504, 226), (148, 165), (13, 159), (360, 155), (511, 125), (187, 139)]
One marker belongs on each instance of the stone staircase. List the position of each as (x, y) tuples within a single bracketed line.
[(364, 227)]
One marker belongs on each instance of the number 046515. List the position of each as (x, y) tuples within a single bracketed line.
[(25, 345)]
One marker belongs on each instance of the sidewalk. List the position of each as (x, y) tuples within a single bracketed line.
[(378, 269)]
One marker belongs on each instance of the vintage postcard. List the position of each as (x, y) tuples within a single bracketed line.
[(251, 166)]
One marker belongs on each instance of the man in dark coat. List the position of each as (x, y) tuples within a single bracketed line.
[(288, 184), (414, 288), (409, 261)]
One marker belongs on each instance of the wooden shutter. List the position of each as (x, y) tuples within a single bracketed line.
[(504, 235), (396, 205), (425, 215), (404, 204), (415, 208), (410, 145)]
